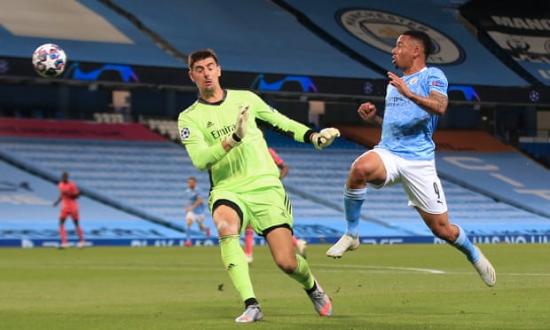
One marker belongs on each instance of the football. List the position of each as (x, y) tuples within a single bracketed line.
[(49, 60)]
